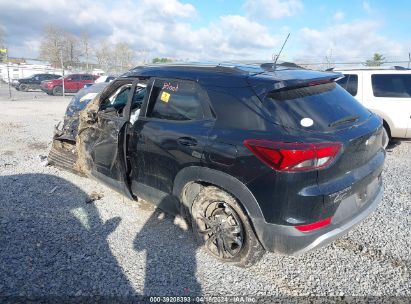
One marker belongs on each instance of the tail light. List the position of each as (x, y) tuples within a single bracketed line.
[(282, 156), (315, 225)]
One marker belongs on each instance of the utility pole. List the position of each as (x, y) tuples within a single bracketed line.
[(62, 69), (328, 58), (8, 72)]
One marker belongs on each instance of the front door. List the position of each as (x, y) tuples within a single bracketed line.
[(70, 83), (108, 150)]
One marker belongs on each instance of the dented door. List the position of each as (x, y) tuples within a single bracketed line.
[(107, 153), (107, 150)]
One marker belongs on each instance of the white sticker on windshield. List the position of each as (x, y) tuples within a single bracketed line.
[(306, 122), (88, 96)]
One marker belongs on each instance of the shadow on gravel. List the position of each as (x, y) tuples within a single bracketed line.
[(393, 144), (54, 244), (171, 262)]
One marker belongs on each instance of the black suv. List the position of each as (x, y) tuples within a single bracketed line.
[(256, 157), (32, 82)]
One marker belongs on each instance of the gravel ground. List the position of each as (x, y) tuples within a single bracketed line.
[(54, 243)]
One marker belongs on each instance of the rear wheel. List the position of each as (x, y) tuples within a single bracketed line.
[(23, 87), (223, 229), (57, 90), (385, 137)]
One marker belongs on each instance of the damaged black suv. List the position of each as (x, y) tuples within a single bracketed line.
[(255, 157)]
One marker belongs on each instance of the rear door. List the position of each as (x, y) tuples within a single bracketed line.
[(170, 135)]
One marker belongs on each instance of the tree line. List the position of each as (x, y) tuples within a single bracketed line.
[(60, 47)]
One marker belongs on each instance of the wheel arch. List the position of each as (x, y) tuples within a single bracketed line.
[(387, 127), (194, 177)]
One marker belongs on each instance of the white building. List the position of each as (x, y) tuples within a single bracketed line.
[(34, 67), (27, 69)]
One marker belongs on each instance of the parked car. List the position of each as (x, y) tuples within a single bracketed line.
[(255, 157), (385, 91), (72, 84), (101, 79), (33, 82)]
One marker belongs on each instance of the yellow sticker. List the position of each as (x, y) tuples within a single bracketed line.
[(165, 96)]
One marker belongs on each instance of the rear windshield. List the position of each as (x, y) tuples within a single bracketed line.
[(323, 107)]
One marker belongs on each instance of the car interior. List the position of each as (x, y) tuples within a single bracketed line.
[(117, 101)]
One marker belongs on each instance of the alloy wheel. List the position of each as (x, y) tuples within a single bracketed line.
[(221, 229)]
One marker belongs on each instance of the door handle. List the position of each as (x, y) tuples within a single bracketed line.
[(187, 141)]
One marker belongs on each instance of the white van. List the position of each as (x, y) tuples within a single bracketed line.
[(386, 92)]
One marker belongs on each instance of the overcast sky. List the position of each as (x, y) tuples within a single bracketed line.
[(220, 29)]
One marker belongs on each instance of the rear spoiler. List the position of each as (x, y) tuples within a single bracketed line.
[(289, 79)]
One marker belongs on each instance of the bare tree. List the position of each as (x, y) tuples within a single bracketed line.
[(51, 45), (104, 55), (123, 57), (2, 35), (71, 50), (117, 59), (2, 46), (56, 43), (142, 55), (85, 43)]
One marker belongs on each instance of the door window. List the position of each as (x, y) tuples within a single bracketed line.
[(349, 83), (391, 85), (75, 78), (87, 77), (118, 99), (176, 100)]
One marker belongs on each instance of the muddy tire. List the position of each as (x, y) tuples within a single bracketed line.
[(223, 229), (23, 87), (58, 90)]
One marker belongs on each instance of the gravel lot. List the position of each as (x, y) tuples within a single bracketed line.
[(54, 243)]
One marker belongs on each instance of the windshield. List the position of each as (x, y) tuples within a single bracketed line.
[(323, 107)]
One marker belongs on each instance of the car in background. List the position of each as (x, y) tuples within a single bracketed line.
[(72, 84), (385, 91), (100, 80), (256, 157), (33, 82)]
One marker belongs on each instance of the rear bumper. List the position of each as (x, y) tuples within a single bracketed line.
[(290, 241)]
